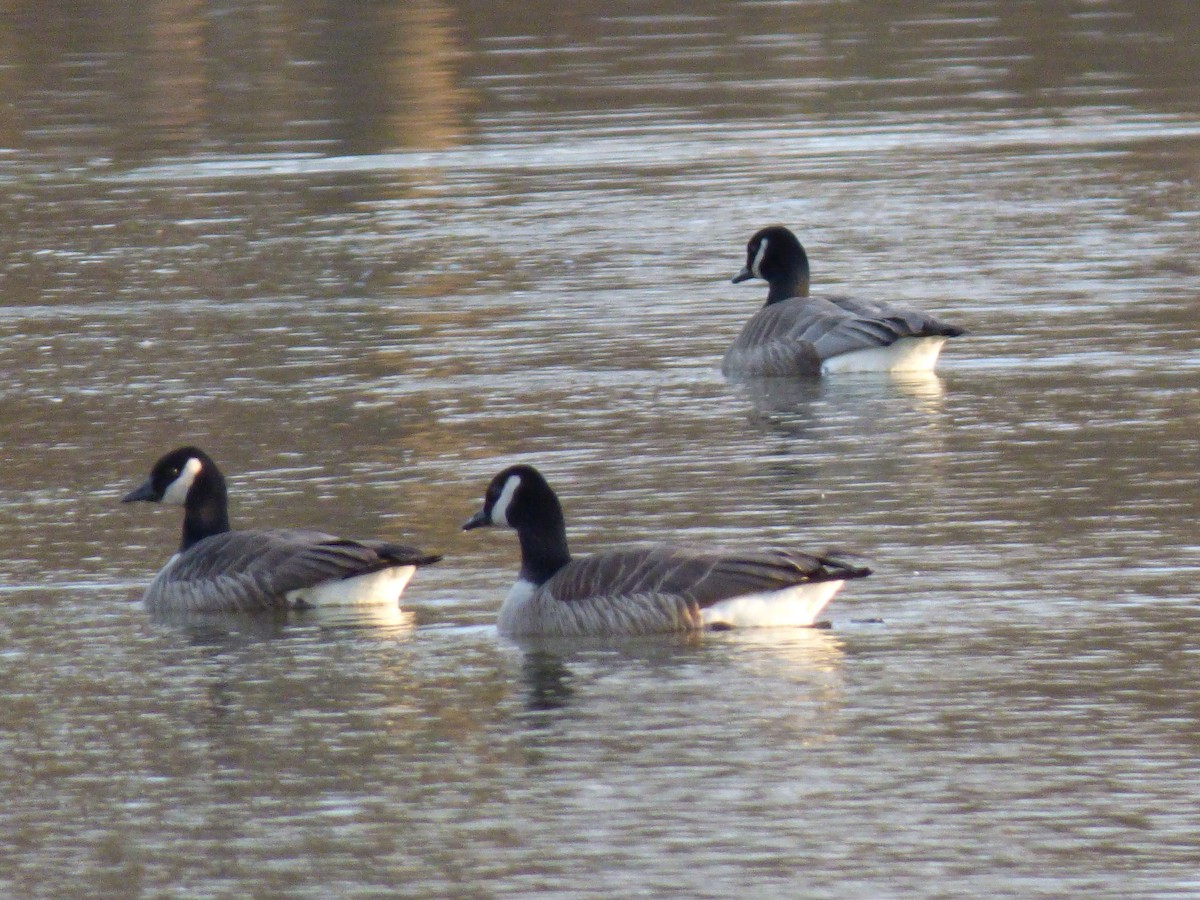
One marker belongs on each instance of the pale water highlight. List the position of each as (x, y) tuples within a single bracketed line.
[(368, 257)]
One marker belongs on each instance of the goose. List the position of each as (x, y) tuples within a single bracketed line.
[(643, 590), (797, 334), (217, 569)]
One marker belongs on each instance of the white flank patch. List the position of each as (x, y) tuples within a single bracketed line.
[(500, 510), (177, 491), (799, 605), (755, 266), (384, 586), (910, 354)]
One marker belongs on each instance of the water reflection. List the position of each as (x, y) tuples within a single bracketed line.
[(878, 421), (383, 248), (225, 630), (395, 620), (547, 680), (548, 665), (176, 76), (775, 399), (801, 398), (804, 652), (167, 76)]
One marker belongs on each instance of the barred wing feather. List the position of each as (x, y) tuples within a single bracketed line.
[(795, 336), (253, 570), (699, 578)]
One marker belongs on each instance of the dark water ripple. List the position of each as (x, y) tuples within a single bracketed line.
[(368, 280)]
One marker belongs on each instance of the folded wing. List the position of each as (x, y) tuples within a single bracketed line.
[(254, 570), (699, 578), (794, 337)]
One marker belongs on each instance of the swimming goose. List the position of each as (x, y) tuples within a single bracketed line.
[(795, 334), (220, 570), (643, 590)]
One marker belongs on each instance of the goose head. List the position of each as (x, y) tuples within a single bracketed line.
[(777, 257)]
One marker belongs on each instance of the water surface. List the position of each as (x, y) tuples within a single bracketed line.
[(368, 259)]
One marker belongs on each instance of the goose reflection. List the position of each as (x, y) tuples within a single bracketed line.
[(861, 443), (906, 414), (812, 650), (558, 673), (920, 392), (219, 631), (235, 630), (547, 681)]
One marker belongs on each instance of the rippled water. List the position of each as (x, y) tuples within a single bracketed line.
[(367, 260)]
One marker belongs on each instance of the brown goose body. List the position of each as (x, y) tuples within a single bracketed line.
[(221, 570), (644, 590), (798, 334), (649, 590), (257, 570)]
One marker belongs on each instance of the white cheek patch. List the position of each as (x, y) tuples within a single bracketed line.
[(500, 509), (177, 491), (756, 266)]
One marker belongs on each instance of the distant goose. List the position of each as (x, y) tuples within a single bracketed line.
[(643, 590), (795, 334), (221, 570)]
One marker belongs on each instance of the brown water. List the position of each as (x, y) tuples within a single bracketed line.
[(368, 254)]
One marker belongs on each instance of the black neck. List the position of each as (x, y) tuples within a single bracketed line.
[(786, 285), (543, 548), (205, 515)]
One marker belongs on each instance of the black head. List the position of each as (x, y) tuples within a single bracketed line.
[(179, 478), (776, 256), (519, 497)]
